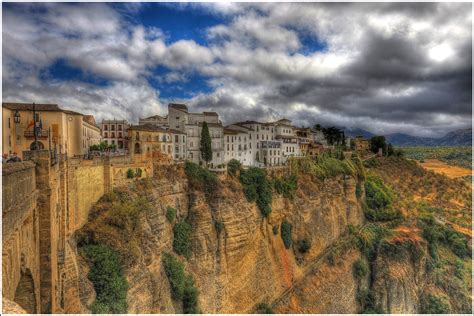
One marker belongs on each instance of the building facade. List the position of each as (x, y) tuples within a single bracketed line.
[(59, 130), (91, 134), (115, 132)]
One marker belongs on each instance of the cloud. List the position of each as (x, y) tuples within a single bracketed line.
[(386, 67)]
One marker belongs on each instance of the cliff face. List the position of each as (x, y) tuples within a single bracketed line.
[(238, 258), (246, 262)]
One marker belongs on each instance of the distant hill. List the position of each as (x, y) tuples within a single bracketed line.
[(461, 137), (353, 132)]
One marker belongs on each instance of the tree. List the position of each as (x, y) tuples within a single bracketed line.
[(377, 142), (333, 135), (206, 148), (390, 150)]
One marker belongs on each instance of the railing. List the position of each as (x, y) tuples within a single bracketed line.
[(32, 134)]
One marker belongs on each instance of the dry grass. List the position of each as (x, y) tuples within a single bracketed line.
[(443, 168)]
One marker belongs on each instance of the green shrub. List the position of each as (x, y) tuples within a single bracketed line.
[(360, 269), (175, 272), (366, 300), (190, 297), (264, 308), (435, 233), (200, 178), (107, 277), (433, 304), (257, 188), (170, 214), (304, 245), (138, 173), (379, 201), (358, 190), (233, 166), (275, 230), (182, 284), (130, 174), (286, 229), (219, 226), (182, 239), (286, 186), (459, 268)]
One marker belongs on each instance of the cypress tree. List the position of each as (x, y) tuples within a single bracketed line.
[(206, 149)]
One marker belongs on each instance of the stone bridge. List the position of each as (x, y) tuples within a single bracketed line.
[(44, 202)]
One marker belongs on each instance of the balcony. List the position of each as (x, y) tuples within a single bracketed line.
[(30, 133)]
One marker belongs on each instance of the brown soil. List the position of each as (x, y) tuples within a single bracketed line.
[(443, 168)]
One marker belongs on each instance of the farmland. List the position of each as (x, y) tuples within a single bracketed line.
[(456, 156)]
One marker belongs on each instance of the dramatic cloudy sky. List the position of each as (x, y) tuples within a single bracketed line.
[(387, 68)]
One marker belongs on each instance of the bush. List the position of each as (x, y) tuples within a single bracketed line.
[(233, 166), (379, 201), (304, 245), (360, 269), (367, 302), (358, 190), (175, 272), (182, 285), (459, 268), (286, 186), (257, 188), (275, 230), (190, 297), (200, 178), (130, 174), (182, 239), (138, 173), (264, 308), (433, 304), (286, 229), (109, 283), (170, 214), (219, 226)]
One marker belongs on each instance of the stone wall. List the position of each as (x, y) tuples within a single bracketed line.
[(44, 203), (20, 253)]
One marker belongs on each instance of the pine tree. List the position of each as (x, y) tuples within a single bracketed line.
[(206, 149)]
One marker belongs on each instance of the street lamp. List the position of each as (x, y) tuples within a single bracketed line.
[(16, 117)]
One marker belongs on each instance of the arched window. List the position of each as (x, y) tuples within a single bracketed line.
[(137, 148), (40, 146)]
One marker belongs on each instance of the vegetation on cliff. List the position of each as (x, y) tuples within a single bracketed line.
[(379, 200), (328, 165), (182, 238), (182, 284), (285, 230), (258, 188), (201, 178), (107, 277)]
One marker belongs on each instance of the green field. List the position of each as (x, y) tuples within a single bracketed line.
[(457, 155)]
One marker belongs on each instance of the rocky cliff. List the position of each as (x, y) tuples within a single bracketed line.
[(238, 258), (243, 263)]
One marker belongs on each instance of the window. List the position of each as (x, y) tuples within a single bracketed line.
[(177, 117), (176, 138), (106, 135), (113, 128), (120, 127), (113, 135), (184, 138), (106, 128), (9, 123), (120, 134)]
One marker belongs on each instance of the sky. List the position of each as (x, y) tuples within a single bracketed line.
[(383, 67)]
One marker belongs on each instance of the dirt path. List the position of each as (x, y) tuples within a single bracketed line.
[(443, 168)]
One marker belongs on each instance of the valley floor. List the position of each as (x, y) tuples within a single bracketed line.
[(443, 168)]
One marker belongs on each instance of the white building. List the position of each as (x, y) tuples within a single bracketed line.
[(191, 124)]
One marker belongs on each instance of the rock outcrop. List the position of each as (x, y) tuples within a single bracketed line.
[(245, 262)]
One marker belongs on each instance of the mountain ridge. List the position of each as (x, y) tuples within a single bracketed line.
[(460, 137)]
